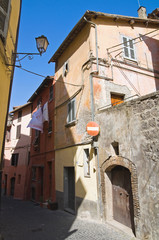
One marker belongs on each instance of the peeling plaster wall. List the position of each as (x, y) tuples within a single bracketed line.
[(135, 126)]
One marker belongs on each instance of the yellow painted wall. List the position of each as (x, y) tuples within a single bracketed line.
[(85, 187), (6, 72)]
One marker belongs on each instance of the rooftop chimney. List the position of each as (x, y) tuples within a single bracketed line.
[(142, 12)]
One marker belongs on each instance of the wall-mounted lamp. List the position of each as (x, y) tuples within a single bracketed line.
[(41, 44)]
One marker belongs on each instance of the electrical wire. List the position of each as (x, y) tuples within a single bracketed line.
[(75, 85)]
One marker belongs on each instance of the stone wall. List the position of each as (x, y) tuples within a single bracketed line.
[(134, 125)]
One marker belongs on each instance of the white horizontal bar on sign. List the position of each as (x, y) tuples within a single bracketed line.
[(92, 128)]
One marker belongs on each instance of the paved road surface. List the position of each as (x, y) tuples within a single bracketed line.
[(24, 220)]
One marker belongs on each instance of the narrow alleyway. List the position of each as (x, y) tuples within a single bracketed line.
[(24, 220)]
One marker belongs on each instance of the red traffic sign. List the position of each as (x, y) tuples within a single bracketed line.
[(92, 128)]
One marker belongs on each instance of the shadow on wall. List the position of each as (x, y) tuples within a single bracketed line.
[(153, 46)]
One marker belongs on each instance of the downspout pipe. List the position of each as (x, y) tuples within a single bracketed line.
[(93, 115), (96, 44), (92, 72)]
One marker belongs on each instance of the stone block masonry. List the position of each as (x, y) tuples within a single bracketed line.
[(134, 125)]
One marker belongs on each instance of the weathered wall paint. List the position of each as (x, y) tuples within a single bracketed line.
[(6, 57), (134, 125)]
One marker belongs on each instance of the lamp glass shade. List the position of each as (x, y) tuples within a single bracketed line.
[(42, 44)]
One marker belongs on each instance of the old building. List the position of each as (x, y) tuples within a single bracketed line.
[(42, 159), (105, 60), (17, 153), (9, 28)]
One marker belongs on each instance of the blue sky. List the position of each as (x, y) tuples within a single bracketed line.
[(55, 19)]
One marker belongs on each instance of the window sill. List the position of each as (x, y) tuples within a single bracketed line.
[(49, 134), (73, 123), (129, 60)]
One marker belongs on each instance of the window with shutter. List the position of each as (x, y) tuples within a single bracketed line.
[(129, 48), (14, 160), (51, 93), (71, 114), (19, 116), (18, 131), (4, 17), (86, 163), (65, 69)]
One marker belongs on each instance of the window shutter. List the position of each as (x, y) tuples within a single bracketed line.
[(129, 50), (4, 17), (73, 109), (126, 51), (18, 131)]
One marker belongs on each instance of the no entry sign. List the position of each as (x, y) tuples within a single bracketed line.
[(92, 128)]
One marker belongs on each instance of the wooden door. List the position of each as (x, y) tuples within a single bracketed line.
[(122, 196), (12, 185), (69, 189)]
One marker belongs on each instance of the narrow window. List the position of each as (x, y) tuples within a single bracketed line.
[(115, 146), (19, 116), (36, 141), (65, 69), (4, 17), (14, 160), (51, 93), (71, 115), (39, 103), (33, 173), (50, 126), (18, 132), (86, 163), (19, 179), (129, 48), (116, 99), (28, 158)]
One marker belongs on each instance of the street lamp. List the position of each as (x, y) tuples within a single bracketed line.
[(41, 44)]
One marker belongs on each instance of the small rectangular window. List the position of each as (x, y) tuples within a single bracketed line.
[(18, 132), (71, 111), (51, 93), (86, 163), (19, 116), (65, 68), (14, 160), (129, 48), (116, 99), (33, 173), (39, 103), (50, 126)]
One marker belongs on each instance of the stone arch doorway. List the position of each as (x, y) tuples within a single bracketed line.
[(120, 192)]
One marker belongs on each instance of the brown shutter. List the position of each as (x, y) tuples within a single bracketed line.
[(116, 99)]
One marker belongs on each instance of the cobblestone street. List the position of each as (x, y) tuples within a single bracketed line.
[(24, 220)]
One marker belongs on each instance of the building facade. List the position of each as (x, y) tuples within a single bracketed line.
[(17, 153), (9, 28), (105, 60), (42, 160)]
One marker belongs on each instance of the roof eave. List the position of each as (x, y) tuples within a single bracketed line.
[(81, 23)]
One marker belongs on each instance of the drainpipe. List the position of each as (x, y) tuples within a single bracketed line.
[(95, 145)]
